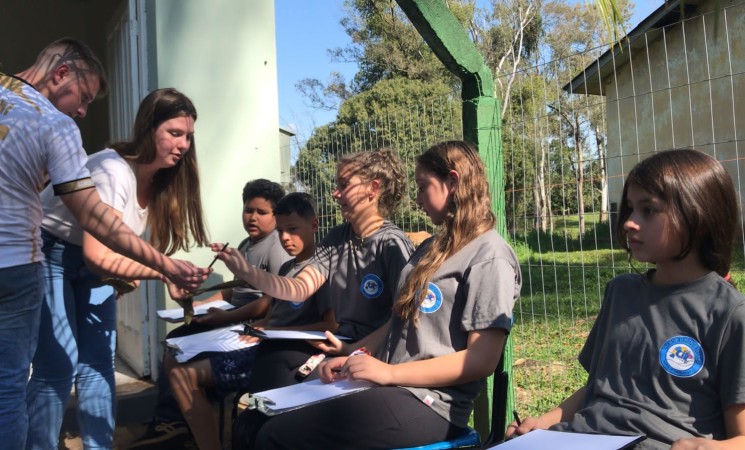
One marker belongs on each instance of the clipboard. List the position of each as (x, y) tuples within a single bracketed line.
[(288, 334), (564, 440), (297, 396)]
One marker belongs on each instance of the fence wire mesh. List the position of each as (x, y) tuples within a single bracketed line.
[(573, 128)]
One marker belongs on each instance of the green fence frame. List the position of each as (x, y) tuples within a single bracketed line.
[(481, 126)]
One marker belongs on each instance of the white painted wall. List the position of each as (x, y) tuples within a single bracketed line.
[(222, 54)]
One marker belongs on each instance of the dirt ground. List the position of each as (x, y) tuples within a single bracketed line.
[(123, 436)]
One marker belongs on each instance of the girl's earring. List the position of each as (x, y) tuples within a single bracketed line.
[(451, 209)]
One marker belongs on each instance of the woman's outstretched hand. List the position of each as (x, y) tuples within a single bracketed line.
[(185, 275), (176, 292)]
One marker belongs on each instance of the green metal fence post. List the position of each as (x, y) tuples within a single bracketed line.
[(481, 124)]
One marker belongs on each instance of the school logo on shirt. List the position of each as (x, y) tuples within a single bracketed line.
[(682, 356), (433, 299), (371, 286)]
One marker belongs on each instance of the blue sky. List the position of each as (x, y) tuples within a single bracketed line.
[(306, 29)]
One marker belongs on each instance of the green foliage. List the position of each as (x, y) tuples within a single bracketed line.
[(398, 113), (390, 102), (386, 45), (389, 98), (508, 32), (315, 173)]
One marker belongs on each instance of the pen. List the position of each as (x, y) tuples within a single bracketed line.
[(517, 418), (221, 250), (251, 331)]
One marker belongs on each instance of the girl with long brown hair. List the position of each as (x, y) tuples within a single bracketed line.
[(664, 356)]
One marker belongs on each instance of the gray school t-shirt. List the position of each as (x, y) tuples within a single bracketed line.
[(362, 275), (266, 254), (475, 289), (286, 314), (663, 361)]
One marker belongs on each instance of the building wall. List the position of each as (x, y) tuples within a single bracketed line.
[(683, 90), (285, 150), (222, 54), (24, 32)]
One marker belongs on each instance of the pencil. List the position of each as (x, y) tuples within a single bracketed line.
[(517, 418), (215, 260)]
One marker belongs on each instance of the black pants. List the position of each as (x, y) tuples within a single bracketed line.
[(378, 418), (277, 362), (166, 408)]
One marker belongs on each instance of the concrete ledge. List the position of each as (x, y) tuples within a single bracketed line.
[(135, 401)]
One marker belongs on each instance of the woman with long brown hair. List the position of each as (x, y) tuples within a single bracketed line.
[(151, 183)]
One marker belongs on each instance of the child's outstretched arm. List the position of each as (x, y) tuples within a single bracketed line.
[(561, 413), (734, 422), (297, 289)]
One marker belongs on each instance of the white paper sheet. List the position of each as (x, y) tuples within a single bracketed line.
[(219, 340), (558, 440), (227, 339), (177, 314)]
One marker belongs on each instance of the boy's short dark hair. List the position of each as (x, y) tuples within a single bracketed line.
[(265, 189), (300, 203)]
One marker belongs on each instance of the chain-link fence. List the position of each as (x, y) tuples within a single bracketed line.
[(573, 129)]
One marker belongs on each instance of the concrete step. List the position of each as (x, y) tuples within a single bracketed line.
[(136, 401)]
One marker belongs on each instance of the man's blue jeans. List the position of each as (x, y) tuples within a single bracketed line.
[(77, 341), (21, 294)]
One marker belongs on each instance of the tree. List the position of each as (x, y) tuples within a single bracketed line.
[(507, 35), (396, 113), (577, 30), (381, 106), (384, 45)]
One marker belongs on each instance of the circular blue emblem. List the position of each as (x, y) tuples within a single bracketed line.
[(371, 286), (433, 299), (682, 356), (296, 305)]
